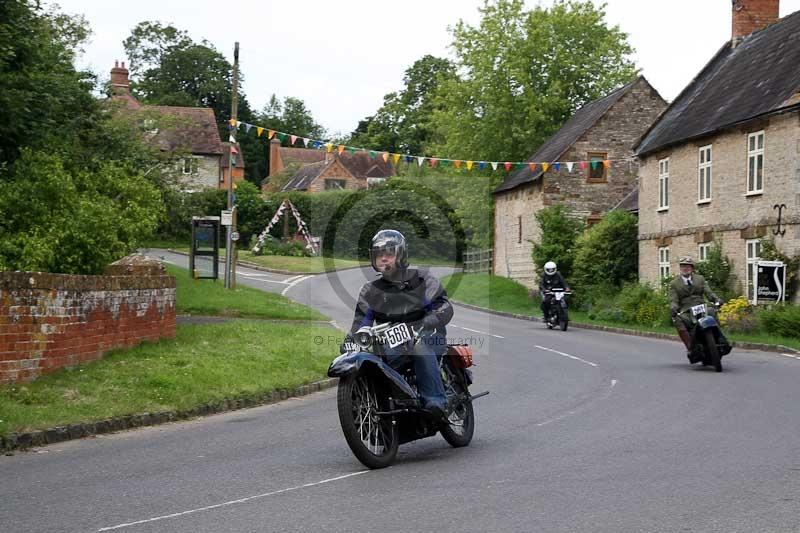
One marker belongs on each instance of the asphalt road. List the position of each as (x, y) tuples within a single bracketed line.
[(582, 431)]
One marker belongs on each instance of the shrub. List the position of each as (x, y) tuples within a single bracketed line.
[(273, 246), (559, 231), (717, 269), (781, 319), (635, 303), (608, 252), (737, 316)]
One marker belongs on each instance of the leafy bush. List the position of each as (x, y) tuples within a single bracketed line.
[(608, 252), (559, 231), (781, 319), (635, 303), (717, 269), (60, 219), (737, 315), (273, 246)]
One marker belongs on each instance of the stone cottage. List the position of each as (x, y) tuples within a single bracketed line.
[(603, 130), (189, 132), (723, 162)]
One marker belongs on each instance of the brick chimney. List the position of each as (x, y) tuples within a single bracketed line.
[(275, 162), (752, 15), (119, 79)]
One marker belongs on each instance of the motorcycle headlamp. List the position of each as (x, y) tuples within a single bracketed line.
[(363, 338)]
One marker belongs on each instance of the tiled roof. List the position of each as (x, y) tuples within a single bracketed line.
[(360, 164), (630, 203), (758, 77), (583, 119), (193, 129), (303, 177)]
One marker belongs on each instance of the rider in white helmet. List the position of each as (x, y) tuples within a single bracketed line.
[(552, 279)]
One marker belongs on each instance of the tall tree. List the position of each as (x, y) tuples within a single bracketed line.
[(522, 73), (42, 96), (403, 123)]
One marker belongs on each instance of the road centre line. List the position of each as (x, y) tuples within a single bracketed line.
[(481, 332), (293, 283), (568, 413), (791, 355), (232, 502), (566, 355)]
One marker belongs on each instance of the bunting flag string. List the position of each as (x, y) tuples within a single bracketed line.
[(433, 162)]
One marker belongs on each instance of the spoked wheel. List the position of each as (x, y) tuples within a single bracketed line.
[(372, 438), (460, 420), (713, 351)]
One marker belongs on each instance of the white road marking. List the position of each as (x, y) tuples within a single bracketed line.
[(791, 355), (476, 331), (293, 283), (232, 502), (289, 280), (565, 415), (248, 276), (566, 355)]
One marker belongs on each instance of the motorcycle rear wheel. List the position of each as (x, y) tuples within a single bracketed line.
[(373, 439), (713, 351), (460, 421)]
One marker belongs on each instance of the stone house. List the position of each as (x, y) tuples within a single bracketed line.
[(320, 170), (723, 162), (190, 133), (603, 130)]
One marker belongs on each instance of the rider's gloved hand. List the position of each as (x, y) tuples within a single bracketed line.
[(674, 313), (430, 322)]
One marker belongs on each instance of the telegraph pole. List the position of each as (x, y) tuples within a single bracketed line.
[(230, 245)]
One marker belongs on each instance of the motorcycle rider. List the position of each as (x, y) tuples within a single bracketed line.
[(552, 279), (686, 290), (403, 294)]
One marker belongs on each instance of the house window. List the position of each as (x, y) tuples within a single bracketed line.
[(190, 165), (755, 163), (331, 184), (704, 175), (593, 219), (702, 251), (663, 262), (519, 237), (663, 184), (753, 256), (596, 171)]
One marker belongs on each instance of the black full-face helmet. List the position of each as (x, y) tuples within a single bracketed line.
[(391, 241)]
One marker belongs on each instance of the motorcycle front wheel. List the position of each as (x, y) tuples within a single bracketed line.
[(713, 351), (563, 319), (372, 438)]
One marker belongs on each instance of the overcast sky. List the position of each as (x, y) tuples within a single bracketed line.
[(341, 57)]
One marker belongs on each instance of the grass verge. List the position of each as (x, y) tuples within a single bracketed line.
[(204, 363), (503, 294), (208, 297)]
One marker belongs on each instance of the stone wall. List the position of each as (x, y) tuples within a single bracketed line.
[(731, 215), (49, 321), (515, 230)]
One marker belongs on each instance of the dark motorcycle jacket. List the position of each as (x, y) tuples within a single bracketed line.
[(553, 281), (417, 299)]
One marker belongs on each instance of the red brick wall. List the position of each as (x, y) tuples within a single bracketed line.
[(49, 321), (751, 15)]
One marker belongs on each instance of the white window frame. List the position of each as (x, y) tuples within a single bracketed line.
[(702, 251), (663, 184), (190, 166), (755, 155), (752, 253), (704, 173), (663, 262)]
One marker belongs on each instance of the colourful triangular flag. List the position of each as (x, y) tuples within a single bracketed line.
[(281, 136), (545, 166), (259, 131), (569, 166), (420, 160), (372, 154), (494, 165), (270, 133), (606, 163), (582, 164), (507, 166), (481, 164), (341, 149), (293, 139), (557, 166), (458, 163), (385, 157), (433, 162), (533, 166), (305, 141), (247, 128), (594, 165), (469, 165), (329, 147), (395, 158)]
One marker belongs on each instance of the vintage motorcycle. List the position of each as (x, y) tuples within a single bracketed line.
[(708, 343), (379, 407), (557, 315)]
